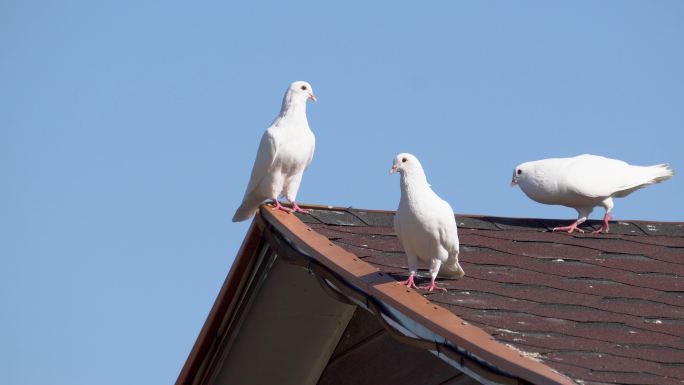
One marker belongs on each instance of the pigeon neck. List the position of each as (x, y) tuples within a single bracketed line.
[(412, 183), (293, 107)]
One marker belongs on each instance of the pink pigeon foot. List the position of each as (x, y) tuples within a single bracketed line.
[(570, 228), (605, 227), (433, 286), (409, 282), (278, 206), (297, 209)]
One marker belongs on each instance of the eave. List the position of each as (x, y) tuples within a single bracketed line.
[(409, 316)]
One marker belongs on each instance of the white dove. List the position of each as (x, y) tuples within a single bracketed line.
[(584, 182), (425, 224), (285, 151)]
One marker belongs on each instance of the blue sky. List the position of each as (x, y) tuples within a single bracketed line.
[(128, 130)]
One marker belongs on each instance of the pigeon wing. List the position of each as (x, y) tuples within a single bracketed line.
[(311, 152), (264, 161), (448, 232), (596, 176)]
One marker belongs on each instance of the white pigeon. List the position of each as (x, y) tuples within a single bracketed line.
[(425, 224), (584, 182), (285, 151)]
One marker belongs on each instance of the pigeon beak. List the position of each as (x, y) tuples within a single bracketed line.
[(312, 97), (393, 169), (514, 182)]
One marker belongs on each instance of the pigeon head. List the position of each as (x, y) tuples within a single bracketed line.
[(405, 163), (522, 173), (301, 90)]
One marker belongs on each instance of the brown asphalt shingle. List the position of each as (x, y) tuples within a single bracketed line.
[(605, 308)]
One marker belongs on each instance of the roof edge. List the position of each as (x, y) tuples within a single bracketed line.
[(207, 343), (409, 302)]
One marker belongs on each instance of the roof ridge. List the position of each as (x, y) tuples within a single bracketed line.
[(351, 209)]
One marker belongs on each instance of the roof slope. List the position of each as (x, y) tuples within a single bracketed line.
[(603, 308)]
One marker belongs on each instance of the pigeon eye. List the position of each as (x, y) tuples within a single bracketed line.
[(519, 172), (303, 88), (403, 160)]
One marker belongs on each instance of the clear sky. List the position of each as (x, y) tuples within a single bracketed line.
[(128, 130)]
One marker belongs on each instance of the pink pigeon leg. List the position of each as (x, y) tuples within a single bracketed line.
[(605, 227), (297, 209), (433, 286), (570, 228), (409, 282), (278, 206)]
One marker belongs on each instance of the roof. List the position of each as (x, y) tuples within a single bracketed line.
[(534, 307), (605, 308)]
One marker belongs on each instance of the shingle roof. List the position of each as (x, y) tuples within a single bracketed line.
[(605, 308)]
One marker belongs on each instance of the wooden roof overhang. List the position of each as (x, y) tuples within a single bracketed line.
[(404, 313)]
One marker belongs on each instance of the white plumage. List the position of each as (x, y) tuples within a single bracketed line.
[(285, 151), (425, 224), (584, 182)]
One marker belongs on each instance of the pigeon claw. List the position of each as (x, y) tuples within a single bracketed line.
[(410, 283), (604, 227), (297, 209), (569, 228), (278, 206), (432, 287)]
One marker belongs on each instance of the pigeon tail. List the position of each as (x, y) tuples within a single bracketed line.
[(648, 175), (249, 207), (451, 268), (662, 172)]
